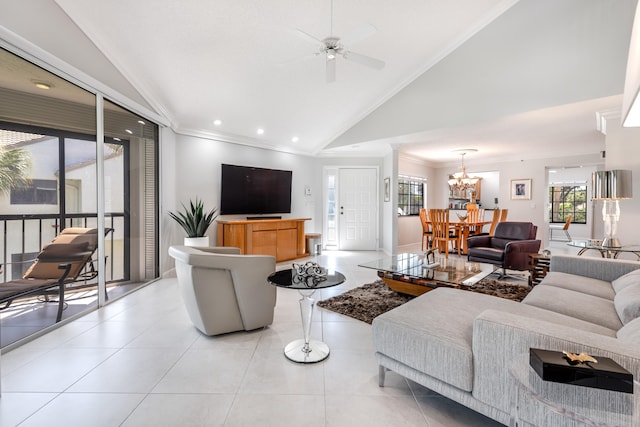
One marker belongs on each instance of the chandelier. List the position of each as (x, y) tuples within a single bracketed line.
[(461, 180)]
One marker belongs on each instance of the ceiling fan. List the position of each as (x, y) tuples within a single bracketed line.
[(331, 47)]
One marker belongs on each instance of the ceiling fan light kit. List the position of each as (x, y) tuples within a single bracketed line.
[(333, 46)]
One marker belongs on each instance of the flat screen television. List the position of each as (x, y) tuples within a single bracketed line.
[(250, 190)]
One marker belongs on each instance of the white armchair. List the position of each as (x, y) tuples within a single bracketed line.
[(224, 291)]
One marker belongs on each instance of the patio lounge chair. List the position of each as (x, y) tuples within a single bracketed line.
[(60, 262)]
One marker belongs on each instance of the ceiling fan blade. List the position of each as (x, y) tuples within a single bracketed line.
[(308, 36), (364, 60), (362, 32), (331, 71)]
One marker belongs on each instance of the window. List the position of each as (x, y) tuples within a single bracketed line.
[(410, 195), (565, 200), (37, 192)]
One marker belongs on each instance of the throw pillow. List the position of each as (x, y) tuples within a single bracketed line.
[(630, 332), (628, 279), (627, 303)]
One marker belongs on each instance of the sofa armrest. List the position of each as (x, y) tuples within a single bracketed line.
[(596, 268), (500, 337), (523, 246), (229, 250)]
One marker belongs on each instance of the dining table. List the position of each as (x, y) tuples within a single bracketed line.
[(463, 229)]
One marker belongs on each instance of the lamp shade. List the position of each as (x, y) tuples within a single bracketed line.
[(611, 185)]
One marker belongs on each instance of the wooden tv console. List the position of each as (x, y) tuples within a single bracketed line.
[(282, 238)]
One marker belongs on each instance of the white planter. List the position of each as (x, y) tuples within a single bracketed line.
[(197, 241)]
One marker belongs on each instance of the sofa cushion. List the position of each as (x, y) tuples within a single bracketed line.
[(486, 254), (433, 333), (586, 285), (628, 279), (589, 308), (627, 303), (630, 332)]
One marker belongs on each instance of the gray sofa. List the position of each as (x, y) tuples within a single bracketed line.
[(461, 344)]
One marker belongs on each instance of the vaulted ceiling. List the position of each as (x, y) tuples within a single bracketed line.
[(511, 78)]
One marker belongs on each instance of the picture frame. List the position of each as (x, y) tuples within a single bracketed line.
[(521, 189), (387, 189)]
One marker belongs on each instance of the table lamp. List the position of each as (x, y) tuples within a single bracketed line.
[(610, 187)]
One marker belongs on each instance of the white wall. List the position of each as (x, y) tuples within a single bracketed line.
[(190, 167), (623, 152), (489, 188), (389, 217)]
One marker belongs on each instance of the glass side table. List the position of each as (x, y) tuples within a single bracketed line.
[(546, 403), (305, 350)]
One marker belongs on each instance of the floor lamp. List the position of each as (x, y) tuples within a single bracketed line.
[(611, 187)]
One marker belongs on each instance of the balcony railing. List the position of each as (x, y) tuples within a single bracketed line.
[(25, 235)]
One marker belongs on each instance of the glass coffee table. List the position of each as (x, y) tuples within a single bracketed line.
[(605, 251), (409, 273)]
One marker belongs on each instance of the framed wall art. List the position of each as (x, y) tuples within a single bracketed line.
[(520, 189)]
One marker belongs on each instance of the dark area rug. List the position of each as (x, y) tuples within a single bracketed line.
[(371, 300)]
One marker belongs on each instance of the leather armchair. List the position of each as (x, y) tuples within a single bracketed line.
[(224, 291), (509, 247)]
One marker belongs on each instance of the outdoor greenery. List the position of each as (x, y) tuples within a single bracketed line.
[(193, 219), (568, 200), (15, 169)]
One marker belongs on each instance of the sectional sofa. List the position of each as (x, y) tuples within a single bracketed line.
[(462, 344)]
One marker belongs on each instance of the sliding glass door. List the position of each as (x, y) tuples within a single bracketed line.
[(54, 172)]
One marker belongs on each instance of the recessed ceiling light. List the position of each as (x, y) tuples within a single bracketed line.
[(217, 122), (141, 122), (295, 139), (260, 131), (43, 85), (117, 139), (128, 131)]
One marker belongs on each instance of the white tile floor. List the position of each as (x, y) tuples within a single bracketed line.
[(140, 362)]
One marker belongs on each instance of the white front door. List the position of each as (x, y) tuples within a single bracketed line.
[(358, 208)]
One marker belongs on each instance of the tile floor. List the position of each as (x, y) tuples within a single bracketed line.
[(140, 362), (26, 317)]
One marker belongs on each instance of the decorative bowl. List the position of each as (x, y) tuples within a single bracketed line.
[(462, 218)]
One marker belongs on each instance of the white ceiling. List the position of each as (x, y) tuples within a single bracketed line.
[(202, 60), (244, 62)]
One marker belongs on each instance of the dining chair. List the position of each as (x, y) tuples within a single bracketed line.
[(474, 217), (494, 221), (442, 232), (503, 215), (564, 228), (427, 232)]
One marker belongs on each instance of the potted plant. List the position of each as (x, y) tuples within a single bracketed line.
[(195, 222)]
